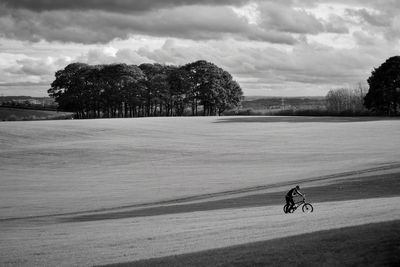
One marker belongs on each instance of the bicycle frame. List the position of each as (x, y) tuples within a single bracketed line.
[(298, 204), (306, 207)]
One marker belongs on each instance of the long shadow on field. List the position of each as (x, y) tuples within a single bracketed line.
[(299, 119), (366, 245), (386, 185)]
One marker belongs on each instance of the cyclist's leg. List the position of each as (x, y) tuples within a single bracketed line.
[(288, 203), (287, 200)]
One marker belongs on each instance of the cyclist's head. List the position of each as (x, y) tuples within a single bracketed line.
[(297, 187)]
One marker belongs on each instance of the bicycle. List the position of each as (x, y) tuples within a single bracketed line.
[(306, 207)]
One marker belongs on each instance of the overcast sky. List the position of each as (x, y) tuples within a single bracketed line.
[(276, 48)]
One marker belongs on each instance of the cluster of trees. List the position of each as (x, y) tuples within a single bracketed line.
[(345, 100), (121, 90), (383, 96)]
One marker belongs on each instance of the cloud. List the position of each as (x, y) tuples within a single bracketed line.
[(285, 18), (24, 70), (101, 21), (37, 66), (393, 33), (381, 21), (336, 24), (364, 39), (123, 6), (375, 18), (253, 66), (307, 69), (387, 6), (101, 56), (187, 22)]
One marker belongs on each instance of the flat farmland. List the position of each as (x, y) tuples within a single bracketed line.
[(84, 192)]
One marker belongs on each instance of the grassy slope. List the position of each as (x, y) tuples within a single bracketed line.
[(68, 166), (366, 245)]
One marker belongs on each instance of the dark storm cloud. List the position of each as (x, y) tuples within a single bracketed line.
[(187, 22), (110, 5), (102, 21)]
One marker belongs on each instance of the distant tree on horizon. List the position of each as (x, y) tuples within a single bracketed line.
[(384, 88)]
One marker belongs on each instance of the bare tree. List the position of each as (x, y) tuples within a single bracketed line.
[(346, 100)]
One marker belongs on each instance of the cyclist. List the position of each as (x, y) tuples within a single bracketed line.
[(289, 196)]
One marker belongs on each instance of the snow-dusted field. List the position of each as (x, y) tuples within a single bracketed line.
[(49, 167)]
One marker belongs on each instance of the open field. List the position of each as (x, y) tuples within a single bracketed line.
[(52, 167), (108, 191)]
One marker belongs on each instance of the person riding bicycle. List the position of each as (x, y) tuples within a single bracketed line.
[(289, 196)]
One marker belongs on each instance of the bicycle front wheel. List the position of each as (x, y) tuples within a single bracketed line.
[(307, 208)]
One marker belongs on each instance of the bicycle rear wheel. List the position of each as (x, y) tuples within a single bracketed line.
[(307, 208)]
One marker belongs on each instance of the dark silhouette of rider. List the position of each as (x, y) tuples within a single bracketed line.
[(289, 196)]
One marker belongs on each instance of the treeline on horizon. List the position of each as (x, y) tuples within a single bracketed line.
[(121, 90), (381, 98)]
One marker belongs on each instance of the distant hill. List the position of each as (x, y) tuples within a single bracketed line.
[(28, 101), (18, 114), (14, 108), (25, 108)]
